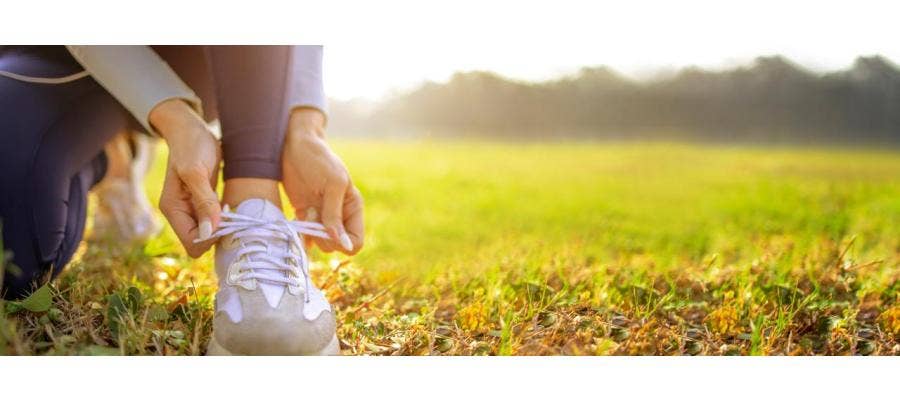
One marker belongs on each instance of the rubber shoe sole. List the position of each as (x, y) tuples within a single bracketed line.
[(215, 349)]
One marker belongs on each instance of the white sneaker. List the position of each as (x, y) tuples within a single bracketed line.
[(123, 210), (266, 304)]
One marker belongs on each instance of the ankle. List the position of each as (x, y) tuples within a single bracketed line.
[(239, 189)]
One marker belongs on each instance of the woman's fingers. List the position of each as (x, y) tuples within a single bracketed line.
[(353, 219), (204, 200), (352, 214), (332, 213), (189, 200), (315, 176), (176, 207)]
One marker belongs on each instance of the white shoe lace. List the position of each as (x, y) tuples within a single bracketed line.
[(266, 263)]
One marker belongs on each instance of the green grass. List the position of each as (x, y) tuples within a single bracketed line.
[(573, 248)]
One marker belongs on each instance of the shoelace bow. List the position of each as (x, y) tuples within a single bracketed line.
[(264, 262)]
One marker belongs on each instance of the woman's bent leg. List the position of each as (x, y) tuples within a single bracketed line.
[(52, 154), (252, 85), (246, 87), (252, 89)]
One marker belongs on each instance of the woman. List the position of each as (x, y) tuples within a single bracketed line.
[(62, 110)]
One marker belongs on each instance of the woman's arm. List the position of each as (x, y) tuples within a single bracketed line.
[(188, 199), (315, 177), (307, 90), (136, 76), (145, 85)]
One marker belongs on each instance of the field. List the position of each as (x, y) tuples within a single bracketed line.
[(477, 248)]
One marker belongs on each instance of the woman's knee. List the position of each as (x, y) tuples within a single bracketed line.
[(58, 132), (42, 228)]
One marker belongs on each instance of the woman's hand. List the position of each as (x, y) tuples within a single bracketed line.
[(315, 177), (189, 200)]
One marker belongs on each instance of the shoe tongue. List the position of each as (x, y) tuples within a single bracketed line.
[(260, 208)]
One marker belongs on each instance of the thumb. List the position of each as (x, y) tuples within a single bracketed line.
[(332, 214), (205, 201)]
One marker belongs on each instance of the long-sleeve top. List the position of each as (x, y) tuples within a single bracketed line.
[(139, 79)]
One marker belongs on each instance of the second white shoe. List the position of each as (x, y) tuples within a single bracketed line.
[(266, 303), (123, 210)]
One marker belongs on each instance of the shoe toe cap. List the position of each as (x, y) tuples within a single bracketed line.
[(283, 330)]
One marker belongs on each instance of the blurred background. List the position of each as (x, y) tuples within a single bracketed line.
[(644, 177), (765, 72), (772, 99)]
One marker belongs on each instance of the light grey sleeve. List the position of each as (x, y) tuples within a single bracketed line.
[(136, 76), (307, 88)]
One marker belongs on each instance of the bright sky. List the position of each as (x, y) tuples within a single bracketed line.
[(367, 56)]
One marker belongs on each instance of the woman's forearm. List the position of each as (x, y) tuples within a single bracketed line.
[(174, 118), (307, 88), (306, 121), (136, 76)]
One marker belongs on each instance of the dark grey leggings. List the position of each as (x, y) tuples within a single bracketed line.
[(52, 138)]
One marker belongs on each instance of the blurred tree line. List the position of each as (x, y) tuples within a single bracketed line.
[(771, 100)]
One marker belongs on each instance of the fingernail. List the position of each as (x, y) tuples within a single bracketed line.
[(205, 229), (345, 241)]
